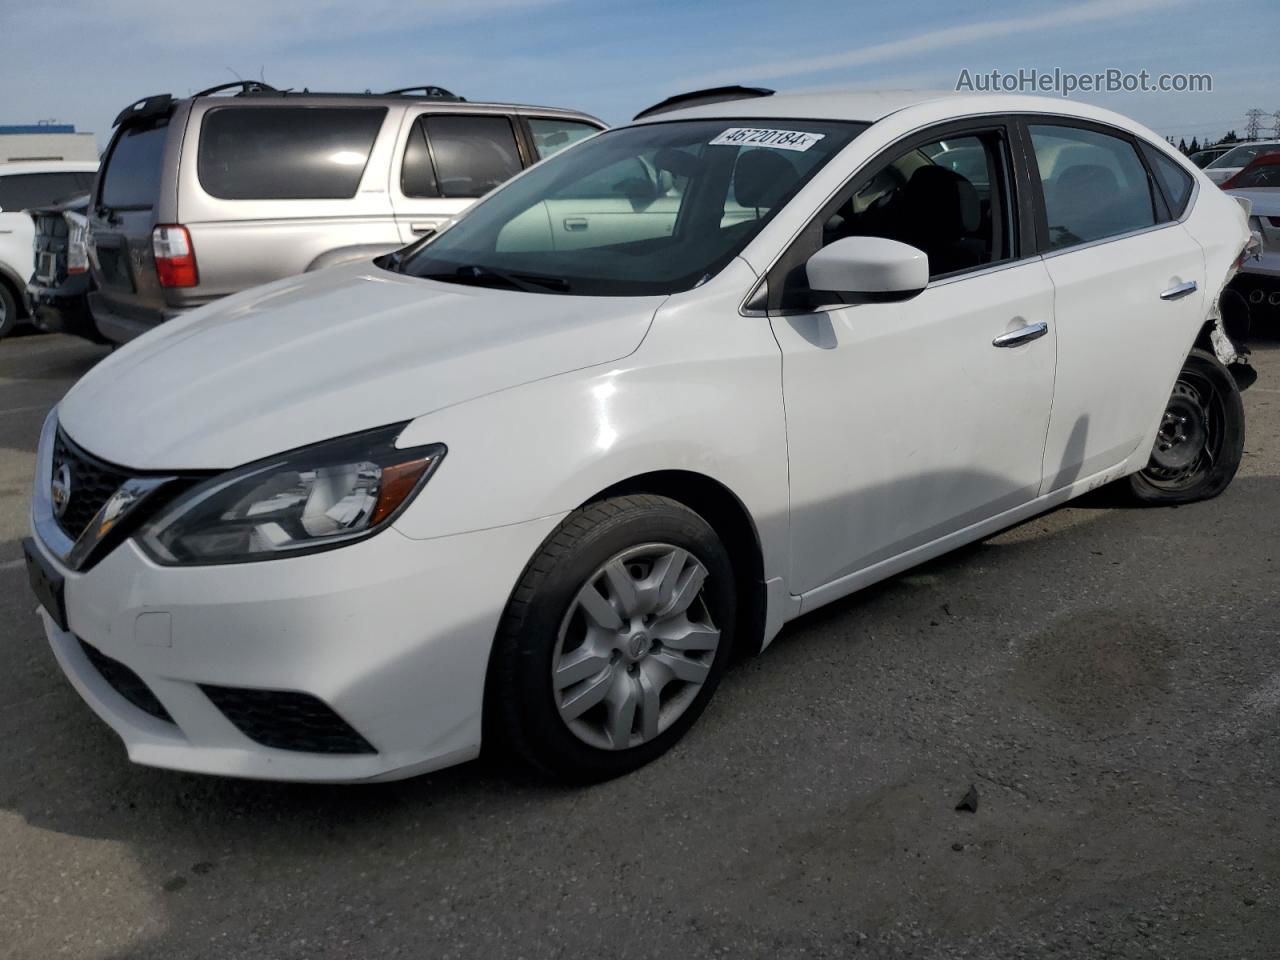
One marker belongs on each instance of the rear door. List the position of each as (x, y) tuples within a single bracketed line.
[(1129, 292), (121, 217), (445, 161)]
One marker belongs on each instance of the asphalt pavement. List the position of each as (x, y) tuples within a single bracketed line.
[(1106, 678)]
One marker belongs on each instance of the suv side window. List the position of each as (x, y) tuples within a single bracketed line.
[(21, 191), (471, 154), (1095, 185), (948, 198), (550, 136), (1174, 181), (286, 153)]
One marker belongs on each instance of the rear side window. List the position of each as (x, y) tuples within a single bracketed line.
[(1175, 183), (131, 178), (286, 153), (1095, 185), (472, 154), (550, 136), (24, 190)]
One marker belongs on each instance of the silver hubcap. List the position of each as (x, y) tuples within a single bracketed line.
[(635, 647)]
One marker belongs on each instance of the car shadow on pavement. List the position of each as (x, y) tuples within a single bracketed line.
[(835, 753)]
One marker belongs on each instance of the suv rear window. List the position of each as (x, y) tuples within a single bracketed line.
[(286, 153), (132, 175), (25, 190)]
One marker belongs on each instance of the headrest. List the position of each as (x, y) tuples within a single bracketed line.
[(761, 177), (946, 197)]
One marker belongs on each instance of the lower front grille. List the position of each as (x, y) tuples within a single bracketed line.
[(287, 720), (126, 683)]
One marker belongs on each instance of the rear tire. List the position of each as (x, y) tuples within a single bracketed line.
[(9, 313), (613, 641), (1201, 439)]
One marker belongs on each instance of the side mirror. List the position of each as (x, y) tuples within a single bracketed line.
[(869, 268)]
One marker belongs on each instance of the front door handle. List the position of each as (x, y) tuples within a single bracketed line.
[(575, 224), (422, 229), (1025, 334), (1180, 291)]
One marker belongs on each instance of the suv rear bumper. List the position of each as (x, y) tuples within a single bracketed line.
[(120, 323)]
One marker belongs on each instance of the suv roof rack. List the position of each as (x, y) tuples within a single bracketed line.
[(246, 86), (429, 90), (697, 97)]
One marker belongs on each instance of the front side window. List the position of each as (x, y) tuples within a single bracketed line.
[(25, 190), (471, 154), (550, 136), (650, 209), (1095, 185), (286, 153), (947, 198)]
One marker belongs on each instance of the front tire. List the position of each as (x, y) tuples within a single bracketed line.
[(1201, 439), (614, 640)]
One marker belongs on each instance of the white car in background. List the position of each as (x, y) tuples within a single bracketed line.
[(534, 480), (23, 185), (1237, 158)]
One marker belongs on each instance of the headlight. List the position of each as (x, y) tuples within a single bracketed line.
[(309, 499)]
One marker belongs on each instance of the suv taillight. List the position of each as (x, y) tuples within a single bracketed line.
[(175, 256), (77, 242)]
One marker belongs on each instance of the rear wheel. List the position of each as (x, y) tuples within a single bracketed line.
[(8, 311), (614, 640), (1201, 438)]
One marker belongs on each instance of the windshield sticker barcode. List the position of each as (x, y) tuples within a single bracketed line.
[(778, 139)]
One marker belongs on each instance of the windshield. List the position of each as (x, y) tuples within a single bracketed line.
[(651, 209), (1242, 156)]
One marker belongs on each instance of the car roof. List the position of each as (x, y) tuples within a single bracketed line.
[(870, 106), (48, 166)]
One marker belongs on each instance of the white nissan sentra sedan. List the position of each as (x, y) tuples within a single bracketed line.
[(533, 481)]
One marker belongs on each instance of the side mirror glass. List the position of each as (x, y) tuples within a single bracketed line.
[(869, 268)]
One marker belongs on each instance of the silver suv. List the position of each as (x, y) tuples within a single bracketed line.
[(205, 196)]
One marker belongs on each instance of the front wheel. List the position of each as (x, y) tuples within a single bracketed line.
[(614, 640), (1201, 438)]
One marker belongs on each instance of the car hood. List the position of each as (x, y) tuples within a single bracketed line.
[(330, 353), (1265, 201)]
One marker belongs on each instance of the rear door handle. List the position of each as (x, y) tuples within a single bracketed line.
[(422, 229), (1180, 291), (574, 224), (1025, 334)]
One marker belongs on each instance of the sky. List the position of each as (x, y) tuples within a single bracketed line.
[(82, 61)]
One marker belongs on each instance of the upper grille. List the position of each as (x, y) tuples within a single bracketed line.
[(92, 484)]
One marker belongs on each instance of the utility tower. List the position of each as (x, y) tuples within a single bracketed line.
[(1253, 123)]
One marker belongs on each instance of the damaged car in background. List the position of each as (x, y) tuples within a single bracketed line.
[(532, 483)]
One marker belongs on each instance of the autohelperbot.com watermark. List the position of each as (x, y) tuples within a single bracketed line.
[(1066, 82)]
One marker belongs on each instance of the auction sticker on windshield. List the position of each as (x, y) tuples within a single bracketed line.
[(778, 139)]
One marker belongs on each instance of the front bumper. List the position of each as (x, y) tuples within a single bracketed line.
[(392, 634)]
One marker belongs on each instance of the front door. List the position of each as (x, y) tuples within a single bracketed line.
[(910, 421)]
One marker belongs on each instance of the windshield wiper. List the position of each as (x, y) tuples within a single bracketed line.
[(485, 276)]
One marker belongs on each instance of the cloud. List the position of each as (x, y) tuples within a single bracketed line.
[(1093, 11)]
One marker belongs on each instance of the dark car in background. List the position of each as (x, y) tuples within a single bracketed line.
[(58, 291)]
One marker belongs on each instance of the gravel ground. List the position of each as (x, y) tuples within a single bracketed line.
[(1108, 679)]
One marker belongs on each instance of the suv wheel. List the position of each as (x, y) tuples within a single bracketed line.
[(614, 640), (8, 311)]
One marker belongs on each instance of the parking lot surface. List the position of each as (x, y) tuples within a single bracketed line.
[(1107, 678)]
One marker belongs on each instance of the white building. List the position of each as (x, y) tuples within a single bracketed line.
[(46, 141)]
